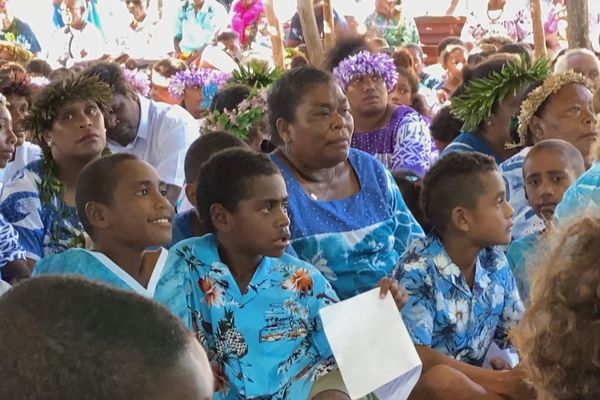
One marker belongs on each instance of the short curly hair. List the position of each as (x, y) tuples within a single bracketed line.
[(453, 181), (559, 336)]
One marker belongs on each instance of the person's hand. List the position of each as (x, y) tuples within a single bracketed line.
[(396, 290), (500, 364), (331, 395), (514, 386)]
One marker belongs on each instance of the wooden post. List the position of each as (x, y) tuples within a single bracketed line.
[(275, 33), (311, 32), (539, 37), (328, 24), (578, 28), (452, 8)]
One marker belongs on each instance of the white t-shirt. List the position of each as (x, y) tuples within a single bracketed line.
[(26, 153), (69, 46), (164, 134)]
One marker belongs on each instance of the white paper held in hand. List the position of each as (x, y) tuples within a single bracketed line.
[(371, 346)]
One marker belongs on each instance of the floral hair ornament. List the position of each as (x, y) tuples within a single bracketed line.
[(241, 119), (475, 103), (39, 82), (138, 80), (551, 85), (196, 78), (366, 63), (15, 52)]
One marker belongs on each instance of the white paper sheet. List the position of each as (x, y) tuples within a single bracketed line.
[(371, 346), (509, 355)]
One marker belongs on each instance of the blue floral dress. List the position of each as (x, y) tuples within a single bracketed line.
[(444, 313), (266, 343), (467, 142), (167, 285), (44, 228), (354, 241)]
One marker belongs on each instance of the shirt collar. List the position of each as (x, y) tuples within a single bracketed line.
[(142, 131)]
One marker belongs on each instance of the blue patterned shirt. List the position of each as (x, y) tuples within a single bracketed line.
[(525, 220), (268, 342), (583, 194), (444, 313), (167, 285), (196, 30), (10, 249), (44, 228), (354, 241), (518, 254), (20, 33), (469, 142)]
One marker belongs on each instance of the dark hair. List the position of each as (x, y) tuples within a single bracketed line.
[(445, 127), (288, 92), (450, 40), (168, 67), (97, 182), (572, 155), (521, 49), (226, 178), (344, 48), (13, 87), (410, 75), (410, 185), (60, 73), (13, 68), (453, 181), (403, 59), (229, 97), (298, 61), (68, 338), (474, 59), (502, 40), (203, 148), (39, 67), (111, 74), (416, 47), (227, 34)]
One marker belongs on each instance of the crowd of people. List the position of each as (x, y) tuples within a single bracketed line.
[(175, 210)]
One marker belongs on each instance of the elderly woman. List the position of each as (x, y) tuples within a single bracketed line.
[(560, 107), (39, 200), (397, 135), (348, 217)]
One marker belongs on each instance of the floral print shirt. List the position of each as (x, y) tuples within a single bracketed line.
[(583, 194), (444, 313), (10, 249), (44, 228), (268, 342), (396, 32)]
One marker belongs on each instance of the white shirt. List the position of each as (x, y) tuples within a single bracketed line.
[(165, 132), (24, 154), (69, 46)]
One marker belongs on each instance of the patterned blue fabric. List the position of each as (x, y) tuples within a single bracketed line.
[(525, 220), (518, 254), (20, 33), (10, 249), (354, 241), (44, 229), (266, 343), (444, 313), (167, 285), (583, 194), (469, 142)]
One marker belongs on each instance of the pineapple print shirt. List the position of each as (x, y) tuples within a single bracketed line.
[(268, 342), (444, 313)]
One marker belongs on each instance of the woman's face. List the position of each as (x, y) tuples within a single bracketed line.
[(161, 93), (568, 115), (8, 140), (320, 135), (367, 95), (19, 109), (455, 63), (77, 132), (401, 94)]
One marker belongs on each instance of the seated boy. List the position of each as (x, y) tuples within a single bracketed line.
[(255, 309), (122, 206), (462, 293), (550, 167), (68, 338), (187, 224)]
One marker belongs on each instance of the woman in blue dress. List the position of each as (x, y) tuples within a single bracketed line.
[(348, 217), (39, 200)]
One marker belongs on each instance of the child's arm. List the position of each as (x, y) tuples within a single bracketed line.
[(396, 290)]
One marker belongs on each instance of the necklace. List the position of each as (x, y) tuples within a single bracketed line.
[(494, 20), (306, 184)]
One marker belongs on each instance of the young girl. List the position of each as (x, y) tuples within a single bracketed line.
[(255, 309), (244, 13), (40, 199), (122, 206), (453, 60), (406, 92)]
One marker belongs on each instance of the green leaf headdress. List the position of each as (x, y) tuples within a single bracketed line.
[(256, 74), (475, 103)]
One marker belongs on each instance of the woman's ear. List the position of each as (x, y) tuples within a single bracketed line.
[(284, 130), (536, 127)]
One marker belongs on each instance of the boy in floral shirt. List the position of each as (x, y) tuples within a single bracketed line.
[(462, 292), (255, 309)]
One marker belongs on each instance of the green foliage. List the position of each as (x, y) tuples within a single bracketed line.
[(475, 103), (256, 74)]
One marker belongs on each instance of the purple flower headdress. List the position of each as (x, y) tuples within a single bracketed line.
[(138, 80), (196, 77), (366, 63)]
